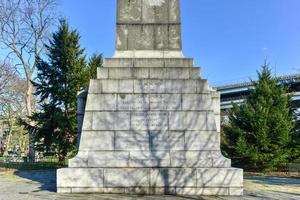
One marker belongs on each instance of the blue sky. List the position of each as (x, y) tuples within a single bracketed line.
[(229, 39)]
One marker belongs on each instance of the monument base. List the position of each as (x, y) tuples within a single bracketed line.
[(151, 181)]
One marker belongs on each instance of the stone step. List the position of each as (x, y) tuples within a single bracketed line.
[(149, 102), (147, 158), (150, 121), (148, 73), (184, 181), (149, 62), (149, 86), (150, 140)]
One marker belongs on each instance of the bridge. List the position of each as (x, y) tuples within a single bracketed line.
[(236, 93)]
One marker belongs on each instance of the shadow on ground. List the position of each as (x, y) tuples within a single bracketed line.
[(46, 179), (274, 180)]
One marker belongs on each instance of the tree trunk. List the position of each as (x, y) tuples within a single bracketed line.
[(29, 107)]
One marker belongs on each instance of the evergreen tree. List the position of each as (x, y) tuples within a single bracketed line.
[(259, 132), (94, 62), (57, 84)]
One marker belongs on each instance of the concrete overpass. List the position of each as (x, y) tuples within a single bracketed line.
[(235, 93)]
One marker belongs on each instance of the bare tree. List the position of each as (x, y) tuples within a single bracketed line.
[(13, 107), (24, 29)]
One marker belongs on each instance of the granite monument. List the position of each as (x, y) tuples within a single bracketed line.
[(151, 124)]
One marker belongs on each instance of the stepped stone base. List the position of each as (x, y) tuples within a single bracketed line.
[(150, 126), (151, 181)]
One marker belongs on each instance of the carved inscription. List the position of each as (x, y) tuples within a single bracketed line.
[(149, 121), (133, 102), (165, 102)]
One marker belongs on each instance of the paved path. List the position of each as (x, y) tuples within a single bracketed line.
[(41, 185)]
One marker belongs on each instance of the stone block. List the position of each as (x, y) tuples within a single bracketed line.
[(97, 141), (175, 37), (95, 87), (202, 140), (161, 37), (195, 73), (63, 190), (155, 11), (129, 11), (87, 190), (87, 121), (125, 86), (202, 191), (187, 121), (136, 102), (180, 86), (114, 190), (179, 62), (108, 159), (219, 160), (140, 37), (118, 62), (211, 121), (149, 86), (110, 86), (197, 102), (173, 177), (191, 159), (80, 160), (120, 73), (141, 73), (126, 177), (149, 140), (149, 121), (158, 73), (102, 73), (219, 177), (178, 73), (174, 11), (202, 86), (101, 102), (79, 178), (236, 191), (149, 159), (148, 62), (122, 37), (165, 101), (111, 121)]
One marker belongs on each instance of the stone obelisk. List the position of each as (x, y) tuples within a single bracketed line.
[(151, 124)]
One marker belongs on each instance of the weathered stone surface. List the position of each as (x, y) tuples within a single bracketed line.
[(126, 177), (165, 101), (202, 141), (168, 177), (149, 62), (88, 121), (149, 140), (197, 102), (218, 177), (102, 73), (111, 121), (79, 177), (143, 121), (80, 160), (133, 102), (188, 121), (97, 141), (148, 72), (98, 102), (108, 159), (149, 158)]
